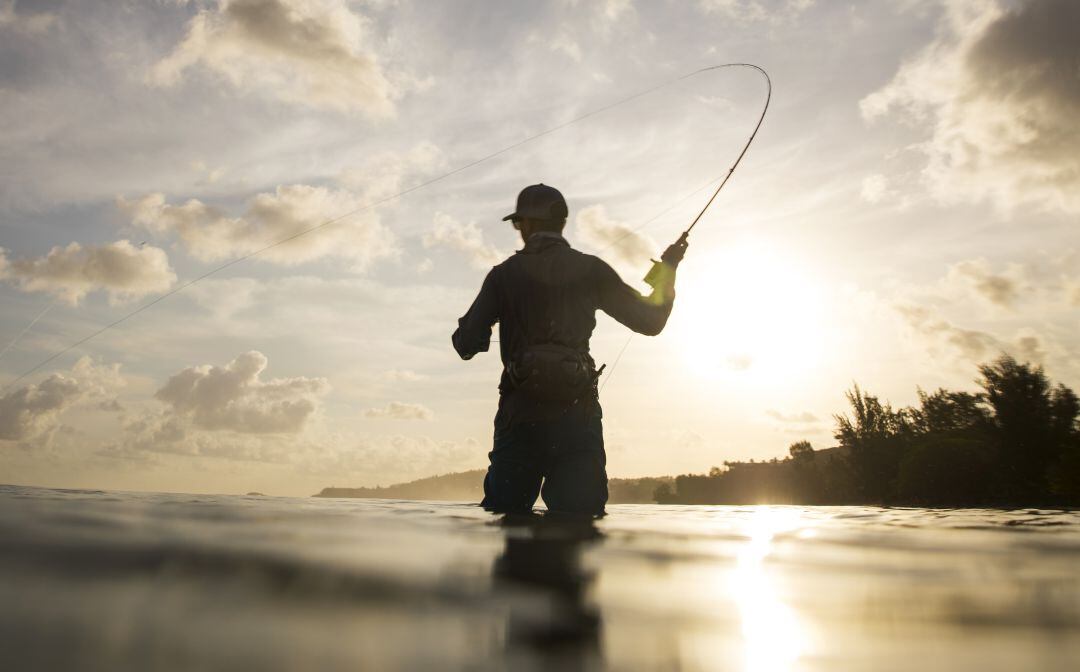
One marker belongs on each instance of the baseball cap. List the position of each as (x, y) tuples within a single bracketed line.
[(539, 201)]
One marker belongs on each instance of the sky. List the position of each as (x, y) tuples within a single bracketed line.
[(907, 212)]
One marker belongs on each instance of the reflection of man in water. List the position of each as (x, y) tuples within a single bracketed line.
[(549, 438), (549, 618)]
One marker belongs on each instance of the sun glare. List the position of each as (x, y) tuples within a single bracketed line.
[(748, 311), (774, 638)]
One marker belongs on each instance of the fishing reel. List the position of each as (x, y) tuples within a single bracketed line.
[(663, 271)]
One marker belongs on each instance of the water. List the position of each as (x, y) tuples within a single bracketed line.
[(130, 581)]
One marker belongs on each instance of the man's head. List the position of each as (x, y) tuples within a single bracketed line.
[(539, 208)]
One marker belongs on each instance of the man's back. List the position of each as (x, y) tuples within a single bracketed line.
[(549, 293)]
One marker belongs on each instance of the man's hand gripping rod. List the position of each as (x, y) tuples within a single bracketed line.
[(661, 271)]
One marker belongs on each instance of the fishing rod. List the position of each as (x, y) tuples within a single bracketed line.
[(659, 271), (422, 185)]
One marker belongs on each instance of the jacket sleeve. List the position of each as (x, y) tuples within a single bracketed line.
[(473, 334), (644, 314)]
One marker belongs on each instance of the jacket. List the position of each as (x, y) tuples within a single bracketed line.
[(548, 292)]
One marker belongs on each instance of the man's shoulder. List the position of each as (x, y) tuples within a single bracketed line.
[(571, 255)]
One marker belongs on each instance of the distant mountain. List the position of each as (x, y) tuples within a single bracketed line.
[(464, 486), (468, 486)]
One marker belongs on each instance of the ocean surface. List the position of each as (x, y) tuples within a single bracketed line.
[(133, 581)]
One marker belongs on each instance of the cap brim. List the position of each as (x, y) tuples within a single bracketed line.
[(512, 215)]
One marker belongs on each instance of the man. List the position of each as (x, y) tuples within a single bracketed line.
[(549, 438)]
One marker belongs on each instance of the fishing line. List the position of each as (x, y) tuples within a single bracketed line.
[(27, 328), (426, 183)]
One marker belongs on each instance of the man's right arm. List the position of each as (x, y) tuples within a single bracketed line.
[(473, 334)]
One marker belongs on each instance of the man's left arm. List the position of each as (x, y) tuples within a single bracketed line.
[(473, 334)]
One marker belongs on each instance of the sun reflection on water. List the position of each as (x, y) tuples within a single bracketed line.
[(774, 638)]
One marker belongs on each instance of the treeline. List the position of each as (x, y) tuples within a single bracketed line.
[(1014, 443)]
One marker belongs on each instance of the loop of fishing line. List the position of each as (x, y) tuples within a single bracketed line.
[(464, 167)]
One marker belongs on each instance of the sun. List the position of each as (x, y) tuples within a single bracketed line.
[(748, 311)]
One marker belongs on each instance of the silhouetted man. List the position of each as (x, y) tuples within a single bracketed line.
[(549, 437)]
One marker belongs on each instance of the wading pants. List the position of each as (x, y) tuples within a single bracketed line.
[(561, 460)]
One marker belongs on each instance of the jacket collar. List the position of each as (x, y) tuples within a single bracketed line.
[(541, 240)]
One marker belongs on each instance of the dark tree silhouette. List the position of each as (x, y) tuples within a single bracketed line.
[(1034, 425), (875, 437), (1015, 443)]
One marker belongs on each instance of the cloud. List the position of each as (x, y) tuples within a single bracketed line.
[(999, 93), (35, 409), (582, 26), (466, 238), (395, 458), (999, 289), (382, 175), (403, 376), (314, 53), (566, 45), (151, 435), (971, 344), (805, 417), (122, 270), (753, 10), (209, 234), (1029, 347), (605, 234), (397, 410), (875, 188), (14, 17), (28, 410), (234, 398)]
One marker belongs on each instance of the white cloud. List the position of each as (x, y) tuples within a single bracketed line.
[(122, 270), (234, 398), (315, 53), (211, 235), (35, 409), (605, 234), (466, 238), (999, 92), (397, 410)]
